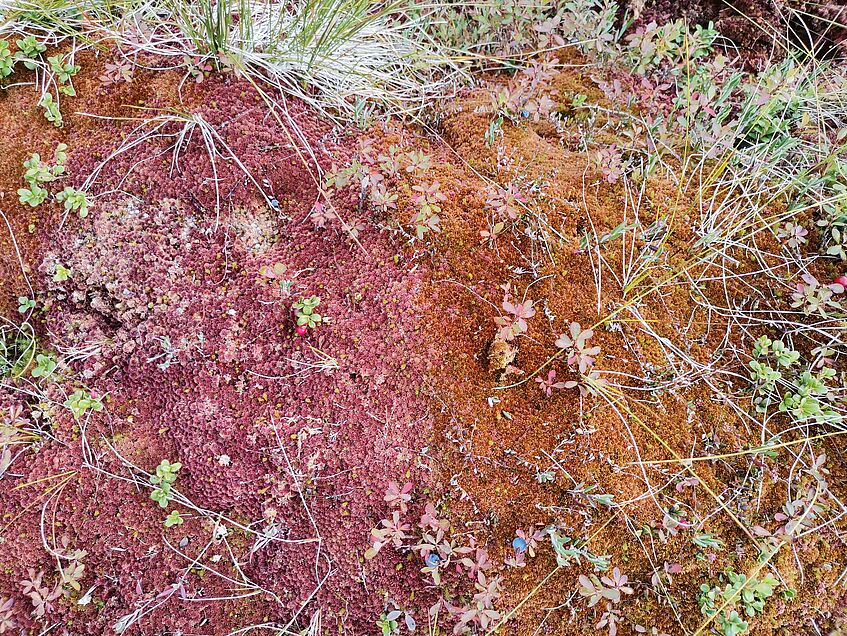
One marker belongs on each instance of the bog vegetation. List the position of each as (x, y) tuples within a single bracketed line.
[(333, 316)]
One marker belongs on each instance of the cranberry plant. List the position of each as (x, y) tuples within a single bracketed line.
[(448, 558), (163, 480), (305, 314), (514, 322)]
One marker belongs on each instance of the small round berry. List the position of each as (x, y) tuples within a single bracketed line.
[(841, 280), (432, 560), (301, 330), (519, 544)]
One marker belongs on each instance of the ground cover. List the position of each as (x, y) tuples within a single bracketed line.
[(549, 344)]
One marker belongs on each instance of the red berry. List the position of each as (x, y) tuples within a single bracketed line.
[(842, 280), (301, 330)]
